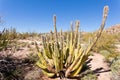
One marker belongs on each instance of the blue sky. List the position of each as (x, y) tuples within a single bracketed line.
[(37, 15)]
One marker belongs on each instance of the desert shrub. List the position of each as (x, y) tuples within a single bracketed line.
[(115, 68), (116, 35), (106, 42), (23, 35), (32, 57), (8, 67), (87, 36), (106, 45), (14, 69), (33, 34), (12, 33), (4, 39), (8, 38), (90, 77), (28, 35)]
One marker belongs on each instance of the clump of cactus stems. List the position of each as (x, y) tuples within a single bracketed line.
[(65, 57)]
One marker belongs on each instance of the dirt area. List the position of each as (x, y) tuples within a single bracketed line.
[(97, 64), (100, 67)]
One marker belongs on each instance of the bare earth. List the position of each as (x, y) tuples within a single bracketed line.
[(97, 64), (100, 67)]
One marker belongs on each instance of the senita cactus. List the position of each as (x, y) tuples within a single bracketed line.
[(63, 55)]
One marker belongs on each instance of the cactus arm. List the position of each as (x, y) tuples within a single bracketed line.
[(42, 66), (105, 13), (61, 51), (67, 73), (56, 56), (49, 74)]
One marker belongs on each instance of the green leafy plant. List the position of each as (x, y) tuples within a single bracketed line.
[(64, 56)]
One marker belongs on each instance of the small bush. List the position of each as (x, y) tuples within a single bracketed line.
[(115, 67), (89, 77)]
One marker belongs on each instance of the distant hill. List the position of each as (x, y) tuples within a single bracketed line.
[(113, 29)]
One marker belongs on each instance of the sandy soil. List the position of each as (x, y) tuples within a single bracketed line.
[(100, 67), (97, 63)]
